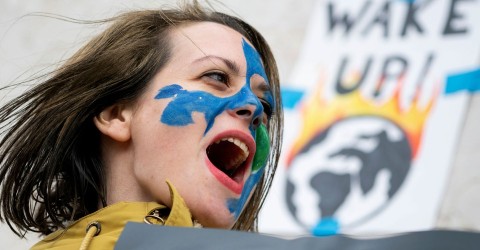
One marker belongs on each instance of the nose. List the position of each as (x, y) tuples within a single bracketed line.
[(247, 113)]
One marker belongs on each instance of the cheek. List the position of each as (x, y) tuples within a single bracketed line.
[(153, 142)]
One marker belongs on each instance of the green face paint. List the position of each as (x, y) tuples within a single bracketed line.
[(263, 148)]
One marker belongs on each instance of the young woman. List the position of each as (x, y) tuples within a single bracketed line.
[(168, 117)]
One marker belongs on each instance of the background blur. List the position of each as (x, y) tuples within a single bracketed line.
[(32, 44)]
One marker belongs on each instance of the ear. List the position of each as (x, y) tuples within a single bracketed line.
[(114, 122)]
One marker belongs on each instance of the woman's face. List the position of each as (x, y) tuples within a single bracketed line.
[(196, 124)]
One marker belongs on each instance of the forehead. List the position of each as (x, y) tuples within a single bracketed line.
[(196, 40)]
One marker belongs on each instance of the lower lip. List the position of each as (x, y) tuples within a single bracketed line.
[(228, 182)]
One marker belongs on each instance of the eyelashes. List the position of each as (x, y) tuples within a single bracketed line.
[(217, 77), (267, 108)]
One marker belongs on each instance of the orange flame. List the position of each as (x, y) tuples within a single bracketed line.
[(318, 114)]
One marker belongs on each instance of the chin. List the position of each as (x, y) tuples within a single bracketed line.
[(222, 221)]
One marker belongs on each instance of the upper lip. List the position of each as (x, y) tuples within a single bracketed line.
[(248, 140)]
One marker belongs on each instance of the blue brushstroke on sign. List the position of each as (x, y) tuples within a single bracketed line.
[(326, 227), (466, 81), (290, 97)]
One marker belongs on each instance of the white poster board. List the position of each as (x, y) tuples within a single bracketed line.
[(373, 111)]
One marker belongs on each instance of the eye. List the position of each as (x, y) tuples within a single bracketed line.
[(267, 109), (217, 77)]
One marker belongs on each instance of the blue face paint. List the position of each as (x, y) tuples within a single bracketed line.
[(255, 66), (179, 113)]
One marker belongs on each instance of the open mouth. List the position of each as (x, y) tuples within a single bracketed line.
[(229, 157)]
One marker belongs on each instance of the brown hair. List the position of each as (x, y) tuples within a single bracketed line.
[(51, 168)]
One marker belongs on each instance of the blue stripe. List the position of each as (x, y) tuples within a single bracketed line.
[(466, 81), (290, 97), (326, 227)]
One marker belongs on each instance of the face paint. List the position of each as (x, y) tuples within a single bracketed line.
[(255, 66), (258, 166), (179, 113)]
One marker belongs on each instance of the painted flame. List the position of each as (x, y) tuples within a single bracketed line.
[(318, 114)]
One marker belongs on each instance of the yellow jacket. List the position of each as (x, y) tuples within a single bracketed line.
[(111, 220)]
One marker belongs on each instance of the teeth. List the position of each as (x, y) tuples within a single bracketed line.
[(239, 143), (226, 158)]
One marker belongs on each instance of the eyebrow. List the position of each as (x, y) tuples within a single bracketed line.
[(231, 65)]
